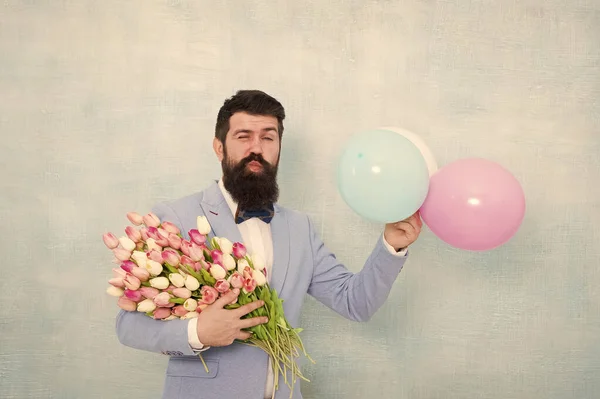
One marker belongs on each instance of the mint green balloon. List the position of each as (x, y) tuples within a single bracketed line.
[(382, 176)]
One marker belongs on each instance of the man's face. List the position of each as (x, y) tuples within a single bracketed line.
[(250, 158)]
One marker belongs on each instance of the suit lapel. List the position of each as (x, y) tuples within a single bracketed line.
[(219, 215), (280, 231)]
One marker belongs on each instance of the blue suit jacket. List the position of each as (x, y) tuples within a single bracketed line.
[(301, 264)]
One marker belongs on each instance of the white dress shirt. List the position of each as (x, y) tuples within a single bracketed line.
[(256, 237)]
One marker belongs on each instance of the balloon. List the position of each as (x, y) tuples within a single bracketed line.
[(432, 165), (382, 176), (474, 204)]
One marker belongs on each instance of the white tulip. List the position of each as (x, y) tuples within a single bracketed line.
[(172, 317), (259, 277), (217, 271), (189, 315), (191, 283), (203, 225), (153, 267), (225, 245), (127, 243), (140, 258), (159, 282), (258, 262), (114, 291), (190, 304), (151, 242), (228, 262), (147, 305), (242, 264), (177, 280)]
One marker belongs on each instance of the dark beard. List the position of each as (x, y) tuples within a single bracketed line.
[(251, 190)]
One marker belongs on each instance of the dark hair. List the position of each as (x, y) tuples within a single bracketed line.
[(253, 102)]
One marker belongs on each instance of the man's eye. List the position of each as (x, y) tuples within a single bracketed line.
[(268, 138), (242, 136)]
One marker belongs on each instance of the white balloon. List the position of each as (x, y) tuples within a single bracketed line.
[(420, 144)]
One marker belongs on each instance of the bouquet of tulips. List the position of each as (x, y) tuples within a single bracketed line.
[(165, 276)]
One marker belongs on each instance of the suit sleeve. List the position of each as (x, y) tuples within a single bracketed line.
[(356, 296), (136, 330)]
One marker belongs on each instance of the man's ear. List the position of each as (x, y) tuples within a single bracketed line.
[(218, 147)]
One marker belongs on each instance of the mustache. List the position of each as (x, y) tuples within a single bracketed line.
[(254, 157)]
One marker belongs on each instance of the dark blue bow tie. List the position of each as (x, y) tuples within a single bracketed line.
[(265, 214)]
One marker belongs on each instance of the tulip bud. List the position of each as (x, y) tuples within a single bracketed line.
[(128, 266), (191, 283), (174, 241), (170, 227), (228, 262), (148, 292), (159, 282), (114, 291), (217, 256), (133, 234), (179, 311), (259, 277), (177, 279), (140, 258), (135, 218), (151, 243), (144, 233), (242, 265), (249, 285), (127, 243), (132, 282), (135, 296), (182, 293), (117, 282), (239, 250), (236, 280), (189, 315), (110, 240), (154, 268), (197, 237), (155, 256), (202, 225), (151, 220), (162, 313), (185, 247), (222, 286), (126, 304), (121, 254), (162, 299), (225, 245), (196, 253), (142, 274), (145, 306), (209, 294), (190, 304), (119, 273), (217, 271), (258, 262), (171, 257)]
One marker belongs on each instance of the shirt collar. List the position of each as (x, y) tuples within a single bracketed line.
[(230, 201)]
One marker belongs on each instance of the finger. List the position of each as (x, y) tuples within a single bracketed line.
[(417, 216), (408, 229), (227, 298), (244, 310), (243, 335), (415, 222), (252, 321)]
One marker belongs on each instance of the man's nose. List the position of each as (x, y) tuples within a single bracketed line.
[(256, 146)]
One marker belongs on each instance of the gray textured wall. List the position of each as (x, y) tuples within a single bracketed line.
[(108, 106)]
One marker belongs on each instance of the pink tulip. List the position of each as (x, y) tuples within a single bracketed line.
[(135, 296), (133, 234), (135, 218), (222, 286), (197, 237), (127, 304), (144, 233), (141, 273), (236, 280), (171, 257), (182, 293), (121, 254), (239, 250), (149, 292), (132, 282), (153, 233), (155, 256), (179, 311), (128, 266), (196, 253), (170, 227), (162, 313), (185, 247), (186, 261), (151, 220), (162, 299), (209, 294), (174, 241), (249, 285), (117, 282), (217, 256), (119, 273), (110, 240)]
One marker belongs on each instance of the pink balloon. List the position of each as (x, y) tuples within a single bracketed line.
[(474, 204)]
